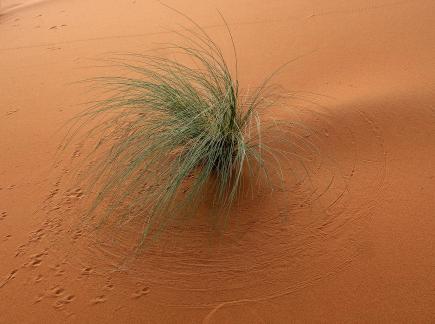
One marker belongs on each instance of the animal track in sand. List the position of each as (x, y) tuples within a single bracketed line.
[(141, 292), (39, 298), (98, 300), (57, 26), (20, 250), (11, 112), (108, 286), (77, 152), (71, 195), (62, 298), (36, 235), (61, 303), (36, 259), (87, 271), (58, 271), (52, 194), (8, 278), (76, 193), (77, 234), (57, 291), (36, 263), (38, 278)]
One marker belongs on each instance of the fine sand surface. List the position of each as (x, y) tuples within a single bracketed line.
[(350, 238)]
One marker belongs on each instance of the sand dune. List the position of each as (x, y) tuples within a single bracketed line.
[(352, 241)]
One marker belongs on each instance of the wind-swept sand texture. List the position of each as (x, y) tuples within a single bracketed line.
[(352, 242)]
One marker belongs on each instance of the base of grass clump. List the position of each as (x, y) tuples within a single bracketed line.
[(171, 133)]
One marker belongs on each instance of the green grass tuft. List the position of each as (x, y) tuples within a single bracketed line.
[(171, 133)]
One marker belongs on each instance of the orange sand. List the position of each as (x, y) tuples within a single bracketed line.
[(364, 251)]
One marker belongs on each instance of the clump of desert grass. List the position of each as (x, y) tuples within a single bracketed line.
[(170, 135)]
